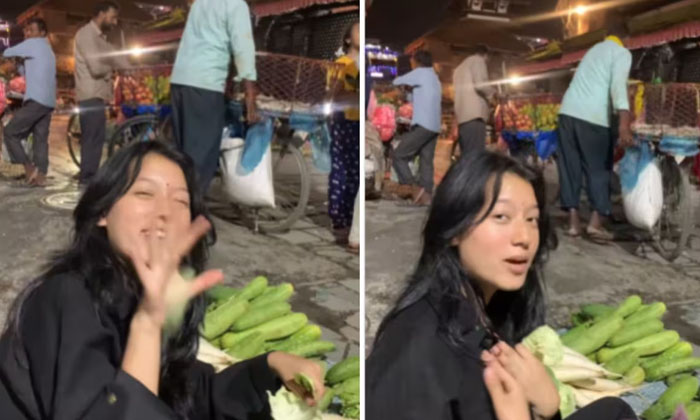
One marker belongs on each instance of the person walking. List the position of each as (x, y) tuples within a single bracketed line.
[(421, 140), (39, 101), (215, 30), (95, 61), (586, 145), (472, 97)]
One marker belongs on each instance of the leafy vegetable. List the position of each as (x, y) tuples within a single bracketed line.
[(285, 405), (546, 345)]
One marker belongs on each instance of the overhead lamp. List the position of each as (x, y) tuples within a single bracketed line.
[(490, 18)]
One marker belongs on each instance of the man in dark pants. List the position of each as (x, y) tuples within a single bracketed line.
[(215, 30), (585, 139), (93, 83), (422, 139), (472, 96), (39, 101)]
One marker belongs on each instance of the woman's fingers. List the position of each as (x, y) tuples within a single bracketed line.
[(507, 380), (200, 226), (487, 357), (524, 352), (205, 281)]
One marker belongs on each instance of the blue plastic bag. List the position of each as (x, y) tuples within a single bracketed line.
[(679, 146), (257, 141), (546, 144), (632, 164), (320, 139)]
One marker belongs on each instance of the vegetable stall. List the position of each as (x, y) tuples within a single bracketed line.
[(244, 323), (623, 351)]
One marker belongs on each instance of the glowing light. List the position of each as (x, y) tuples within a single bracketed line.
[(515, 80), (328, 108), (581, 10), (136, 51), (76, 110)]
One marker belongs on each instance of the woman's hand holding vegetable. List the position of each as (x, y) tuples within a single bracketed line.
[(530, 373), (287, 366)]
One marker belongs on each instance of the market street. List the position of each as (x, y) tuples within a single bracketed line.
[(325, 276), (578, 272)]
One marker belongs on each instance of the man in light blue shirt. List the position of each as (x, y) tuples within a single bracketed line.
[(39, 101), (598, 89), (422, 139), (215, 31)]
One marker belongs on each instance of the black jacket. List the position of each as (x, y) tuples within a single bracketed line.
[(67, 367), (415, 373)]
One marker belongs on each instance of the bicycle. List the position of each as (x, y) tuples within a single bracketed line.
[(667, 120), (283, 94)]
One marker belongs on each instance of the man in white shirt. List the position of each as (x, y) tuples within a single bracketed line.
[(472, 96)]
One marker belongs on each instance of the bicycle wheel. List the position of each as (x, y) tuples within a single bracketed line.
[(292, 183), (73, 136), (139, 128), (671, 231)]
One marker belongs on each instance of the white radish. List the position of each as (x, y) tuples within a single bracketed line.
[(209, 354), (582, 399), (571, 374), (599, 384), (573, 359), (590, 395)]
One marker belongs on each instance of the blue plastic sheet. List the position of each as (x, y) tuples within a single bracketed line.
[(635, 160), (133, 110), (319, 136), (257, 140), (679, 146)]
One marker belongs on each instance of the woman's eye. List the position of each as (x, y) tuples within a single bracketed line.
[(500, 217), (143, 194), (185, 203), (533, 220)]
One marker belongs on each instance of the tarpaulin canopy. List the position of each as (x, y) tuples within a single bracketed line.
[(672, 34), (270, 8)]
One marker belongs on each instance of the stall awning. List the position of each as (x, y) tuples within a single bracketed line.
[(271, 8), (675, 33)]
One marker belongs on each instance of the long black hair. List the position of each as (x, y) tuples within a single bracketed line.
[(111, 279), (440, 276)]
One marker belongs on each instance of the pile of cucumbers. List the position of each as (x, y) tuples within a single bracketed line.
[(630, 339), (258, 318)]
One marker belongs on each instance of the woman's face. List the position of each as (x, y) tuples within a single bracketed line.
[(158, 203), (499, 251), (355, 36)]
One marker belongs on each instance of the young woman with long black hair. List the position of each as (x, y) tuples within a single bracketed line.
[(85, 339), (449, 348)]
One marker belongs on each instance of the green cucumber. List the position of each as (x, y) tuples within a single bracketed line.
[(575, 333), (655, 343), (654, 311), (657, 372), (630, 333), (273, 294), (315, 348), (346, 369), (271, 330), (260, 315), (305, 335), (634, 376), (221, 293), (255, 288), (670, 380), (623, 362), (597, 310), (597, 335), (629, 306), (680, 350), (220, 319), (681, 392), (246, 349)]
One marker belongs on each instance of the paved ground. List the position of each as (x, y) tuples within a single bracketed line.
[(326, 278), (578, 271)]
